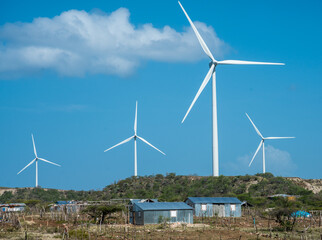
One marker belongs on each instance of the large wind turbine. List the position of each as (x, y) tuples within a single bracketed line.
[(213, 64), (262, 143), (135, 136), (36, 160)]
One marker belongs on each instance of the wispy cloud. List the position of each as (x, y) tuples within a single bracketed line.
[(77, 43), (278, 162)]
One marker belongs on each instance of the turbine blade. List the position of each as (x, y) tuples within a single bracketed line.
[(278, 137), (201, 41), (125, 141), (27, 165), (239, 62), (136, 116), (49, 162), (258, 132), (33, 143), (150, 144), (203, 85), (260, 144)]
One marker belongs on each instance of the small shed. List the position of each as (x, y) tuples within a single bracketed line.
[(13, 207), (215, 206), (157, 212), (288, 197), (66, 206), (133, 201)]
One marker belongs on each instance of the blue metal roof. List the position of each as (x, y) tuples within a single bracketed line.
[(163, 206), (214, 200)]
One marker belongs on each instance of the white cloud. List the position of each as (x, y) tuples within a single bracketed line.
[(278, 162), (77, 42)]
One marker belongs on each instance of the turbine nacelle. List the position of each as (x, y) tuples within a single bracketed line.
[(212, 63)]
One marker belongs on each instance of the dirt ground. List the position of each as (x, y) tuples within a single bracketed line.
[(35, 227)]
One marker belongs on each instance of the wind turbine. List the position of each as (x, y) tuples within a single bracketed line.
[(262, 143), (36, 160), (212, 72), (135, 137)]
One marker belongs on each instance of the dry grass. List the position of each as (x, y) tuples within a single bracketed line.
[(35, 227)]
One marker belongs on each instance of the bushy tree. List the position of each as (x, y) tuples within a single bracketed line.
[(101, 211), (283, 214)]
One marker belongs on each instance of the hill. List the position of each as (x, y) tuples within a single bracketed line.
[(171, 187)]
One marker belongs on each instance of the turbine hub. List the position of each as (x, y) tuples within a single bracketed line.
[(212, 63)]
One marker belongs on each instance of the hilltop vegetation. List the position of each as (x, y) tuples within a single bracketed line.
[(253, 189), (177, 188)]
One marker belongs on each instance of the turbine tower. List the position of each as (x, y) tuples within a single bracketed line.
[(36, 160), (212, 72), (135, 137), (262, 143)]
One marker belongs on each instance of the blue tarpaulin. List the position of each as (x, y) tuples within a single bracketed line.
[(301, 214)]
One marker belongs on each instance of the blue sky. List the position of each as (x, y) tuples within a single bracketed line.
[(70, 73)]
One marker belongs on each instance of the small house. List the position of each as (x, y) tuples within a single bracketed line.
[(13, 207), (66, 206), (286, 196), (158, 212), (215, 206), (133, 201)]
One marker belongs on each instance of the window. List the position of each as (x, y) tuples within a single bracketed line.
[(232, 207), (139, 213), (203, 207), (173, 213)]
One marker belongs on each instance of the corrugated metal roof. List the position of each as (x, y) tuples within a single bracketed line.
[(142, 200), (12, 205), (214, 200), (163, 206), (280, 195)]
